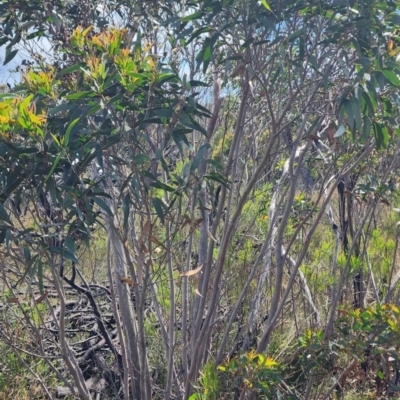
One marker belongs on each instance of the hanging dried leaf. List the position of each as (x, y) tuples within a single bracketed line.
[(158, 243), (127, 280), (187, 221), (145, 230), (13, 300), (212, 237), (196, 285), (238, 70), (191, 272), (385, 201), (41, 298), (194, 224), (198, 222)]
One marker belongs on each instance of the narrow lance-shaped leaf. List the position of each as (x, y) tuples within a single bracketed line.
[(9, 56), (64, 252), (202, 150), (159, 207), (70, 244), (141, 158), (28, 269), (125, 209), (266, 5), (191, 272), (3, 215), (53, 167), (165, 187), (391, 77), (68, 131), (40, 275), (340, 131), (8, 239), (102, 204)]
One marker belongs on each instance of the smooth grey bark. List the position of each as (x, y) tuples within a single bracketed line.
[(273, 317), (122, 341), (198, 307), (304, 286), (123, 292)]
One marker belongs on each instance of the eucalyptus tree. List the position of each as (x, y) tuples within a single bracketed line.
[(187, 137)]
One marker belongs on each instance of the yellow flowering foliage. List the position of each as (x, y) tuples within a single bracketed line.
[(256, 370), (124, 61), (97, 67), (127, 68), (20, 113), (78, 36), (261, 360), (41, 82), (109, 41), (385, 316), (106, 53), (222, 145)]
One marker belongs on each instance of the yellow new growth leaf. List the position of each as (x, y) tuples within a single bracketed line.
[(55, 139), (152, 63), (392, 324), (395, 309), (261, 358), (125, 53), (266, 5), (252, 354), (86, 31), (148, 47), (248, 383), (394, 52), (37, 119), (270, 363), (77, 38), (191, 272)]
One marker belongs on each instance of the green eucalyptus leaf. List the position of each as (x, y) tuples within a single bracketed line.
[(141, 159), (4, 215), (9, 56), (102, 204), (159, 206), (340, 131), (72, 68), (391, 77), (296, 34), (193, 16), (40, 275), (70, 244), (64, 253), (125, 210), (68, 131)]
